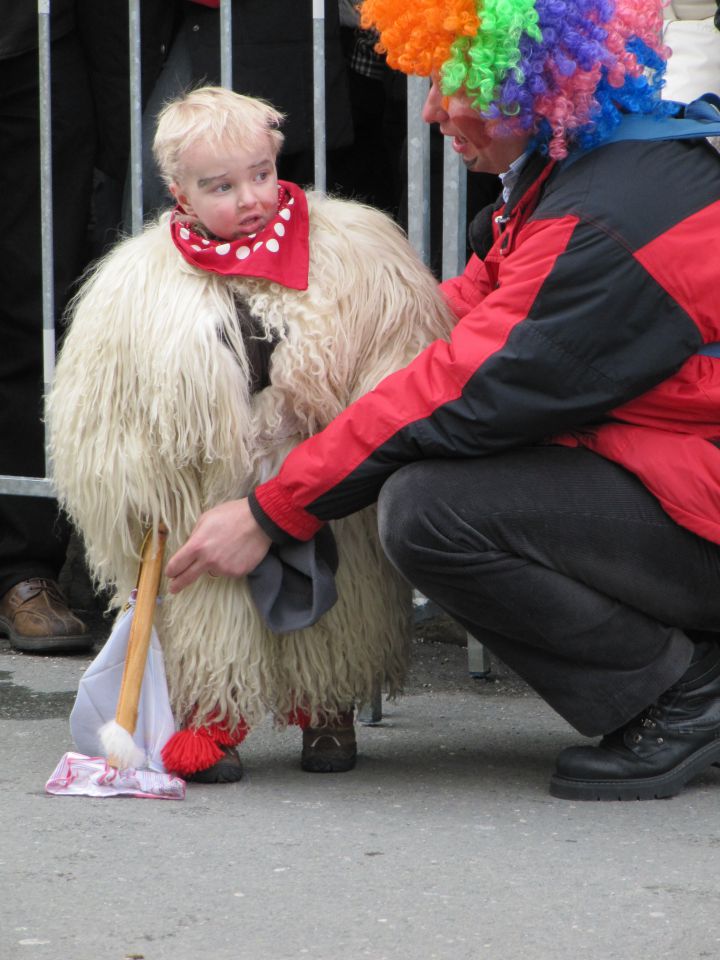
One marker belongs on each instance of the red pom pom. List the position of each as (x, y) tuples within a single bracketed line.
[(299, 718), (228, 738), (188, 751)]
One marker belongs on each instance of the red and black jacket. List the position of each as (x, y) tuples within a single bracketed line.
[(581, 325)]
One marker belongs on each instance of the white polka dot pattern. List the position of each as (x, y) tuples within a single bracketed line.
[(256, 254)]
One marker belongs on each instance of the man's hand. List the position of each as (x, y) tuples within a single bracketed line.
[(226, 541)]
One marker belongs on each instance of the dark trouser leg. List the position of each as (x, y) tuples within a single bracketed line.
[(565, 566), (32, 540)]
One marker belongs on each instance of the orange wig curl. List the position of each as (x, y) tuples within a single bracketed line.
[(418, 38)]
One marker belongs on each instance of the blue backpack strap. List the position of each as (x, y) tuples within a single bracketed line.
[(706, 109), (710, 350), (701, 118)]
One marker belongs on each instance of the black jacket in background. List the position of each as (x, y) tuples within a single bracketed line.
[(272, 59), (19, 24)]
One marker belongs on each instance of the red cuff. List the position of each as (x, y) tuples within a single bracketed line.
[(274, 501)]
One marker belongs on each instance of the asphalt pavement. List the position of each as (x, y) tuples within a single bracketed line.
[(443, 843)]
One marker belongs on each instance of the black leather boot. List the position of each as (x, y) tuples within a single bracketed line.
[(658, 752)]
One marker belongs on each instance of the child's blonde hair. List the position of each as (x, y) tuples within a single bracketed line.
[(217, 116)]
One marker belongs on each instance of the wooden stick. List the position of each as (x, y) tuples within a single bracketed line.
[(148, 586)]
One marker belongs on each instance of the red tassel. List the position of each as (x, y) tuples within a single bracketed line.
[(228, 738), (299, 718), (302, 718), (188, 751)]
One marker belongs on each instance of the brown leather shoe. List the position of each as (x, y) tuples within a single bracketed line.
[(332, 748), (34, 615)]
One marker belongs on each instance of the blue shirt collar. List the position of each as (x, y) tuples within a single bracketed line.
[(510, 177)]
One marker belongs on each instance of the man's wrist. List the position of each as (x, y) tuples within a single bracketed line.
[(276, 533)]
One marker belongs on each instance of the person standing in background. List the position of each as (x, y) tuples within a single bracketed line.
[(103, 29), (34, 614), (692, 31)]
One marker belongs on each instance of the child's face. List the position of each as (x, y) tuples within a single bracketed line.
[(232, 192)]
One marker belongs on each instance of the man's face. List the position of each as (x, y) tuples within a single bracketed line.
[(476, 140)]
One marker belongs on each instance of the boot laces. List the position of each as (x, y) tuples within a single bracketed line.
[(646, 721)]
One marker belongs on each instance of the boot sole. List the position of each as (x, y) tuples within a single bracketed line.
[(218, 773), (319, 765), (234, 776), (80, 643), (648, 788)]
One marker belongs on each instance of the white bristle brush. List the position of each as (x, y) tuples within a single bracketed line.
[(116, 736)]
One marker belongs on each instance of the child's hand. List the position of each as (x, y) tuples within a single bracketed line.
[(226, 541)]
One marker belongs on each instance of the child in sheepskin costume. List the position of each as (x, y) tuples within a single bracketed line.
[(198, 354)]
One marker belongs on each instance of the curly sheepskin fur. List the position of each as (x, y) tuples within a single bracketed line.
[(151, 419)]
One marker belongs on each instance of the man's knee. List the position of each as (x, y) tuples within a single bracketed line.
[(402, 511)]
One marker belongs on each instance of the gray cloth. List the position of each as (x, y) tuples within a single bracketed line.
[(295, 583)]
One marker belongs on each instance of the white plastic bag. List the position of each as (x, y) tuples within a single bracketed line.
[(77, 775), (97, 697)]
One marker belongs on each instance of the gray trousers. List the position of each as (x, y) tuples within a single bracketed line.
[(567, 569)]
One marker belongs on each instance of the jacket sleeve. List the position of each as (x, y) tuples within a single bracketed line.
[(466, 292), (573, 328)]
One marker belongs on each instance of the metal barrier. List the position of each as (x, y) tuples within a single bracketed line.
[(418, 203), (454, 182)]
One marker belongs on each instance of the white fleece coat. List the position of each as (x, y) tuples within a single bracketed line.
[(151, 419)]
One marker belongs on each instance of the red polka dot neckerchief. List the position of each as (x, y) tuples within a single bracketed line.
[(280, 252)]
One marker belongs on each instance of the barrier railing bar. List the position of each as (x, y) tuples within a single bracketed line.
[(226, 65), (136, 197), (418, 166), (26, 486), (318, 12), (46, 211), (418, 150), (454, 212)]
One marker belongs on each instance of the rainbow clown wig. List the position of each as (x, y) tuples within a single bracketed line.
[(562, 70)]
